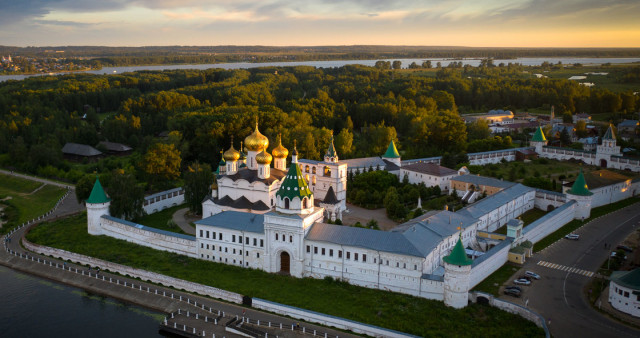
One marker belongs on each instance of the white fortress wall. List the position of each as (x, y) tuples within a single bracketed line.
[(550, 222), (546, 198), (163, 200), (614, 193), (149, 237), (491, 261)]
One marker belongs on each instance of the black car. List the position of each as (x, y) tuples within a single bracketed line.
[(512, 292), (513, 287), (625, 248)]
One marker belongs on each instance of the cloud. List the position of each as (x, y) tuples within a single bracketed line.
[(63, 23)]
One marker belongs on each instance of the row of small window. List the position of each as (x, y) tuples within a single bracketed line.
[(625, 293), (284, 237), (226, 260), (220, 248), (206, 233), (323, 252)]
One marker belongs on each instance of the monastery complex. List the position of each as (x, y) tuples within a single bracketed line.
[(269, 216)]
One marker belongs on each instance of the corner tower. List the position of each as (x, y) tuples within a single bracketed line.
[(392, 154), (607, 149), (457, 269), (580, 193), (97, 205), (538, 141)]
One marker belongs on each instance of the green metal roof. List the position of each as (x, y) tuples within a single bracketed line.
[(628, 279), (331, 152), (580, 187), (392, 152), (609, 135), (294, 185), (458, 256), (97, 194), (538, 136)]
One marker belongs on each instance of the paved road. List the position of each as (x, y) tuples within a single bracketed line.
[(181, 220), (564, 267)]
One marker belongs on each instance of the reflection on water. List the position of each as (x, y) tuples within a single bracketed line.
[(35, 307)]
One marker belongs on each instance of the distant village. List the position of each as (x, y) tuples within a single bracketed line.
[(33, 65)]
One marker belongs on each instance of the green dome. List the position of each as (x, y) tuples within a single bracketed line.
[(458, 256), (392, 152), (580, 187), (97, 194)]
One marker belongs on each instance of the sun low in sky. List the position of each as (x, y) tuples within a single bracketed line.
[(476, 23)]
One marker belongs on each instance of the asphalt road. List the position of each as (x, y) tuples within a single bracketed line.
[(558, 295)]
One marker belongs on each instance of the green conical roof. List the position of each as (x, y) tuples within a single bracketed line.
[(609, 135), (458, 256), (294, 185), (538, 136), (392, 152), (97, 194), (331, 152), (580, 187)]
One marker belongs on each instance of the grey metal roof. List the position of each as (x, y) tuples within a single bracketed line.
[(363, 238), (435, 159), (430, 169), (112, 146), (80, 150), (304, 160), (365, 162), (482, 180), (492, 202), (144, 227), (251, 176), (235, 220), (330, 197)]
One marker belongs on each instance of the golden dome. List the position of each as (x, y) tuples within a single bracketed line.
[(263, 157), (231, 154), (256, 141), (280, 151)]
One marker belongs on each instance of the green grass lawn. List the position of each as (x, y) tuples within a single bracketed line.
[(527, 218), (387, 309), (575, 224), (160, 219), (26, 205), (498, 278)]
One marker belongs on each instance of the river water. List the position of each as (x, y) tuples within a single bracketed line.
[(35, 307), (340, 63)]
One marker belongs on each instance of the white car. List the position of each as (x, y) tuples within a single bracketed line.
[(532, 274), (574, 237), (522, 281)]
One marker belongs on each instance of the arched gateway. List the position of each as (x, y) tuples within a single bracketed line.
[(285, 262)]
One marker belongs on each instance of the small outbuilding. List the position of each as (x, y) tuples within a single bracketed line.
[(624, 291)]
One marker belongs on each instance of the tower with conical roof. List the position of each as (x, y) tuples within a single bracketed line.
[(392, 154), (457, 269), (580, 193), (608, 148), (538, 141), (222, 165), (280, 154), (331, 156), (231, 157), (97, 205)]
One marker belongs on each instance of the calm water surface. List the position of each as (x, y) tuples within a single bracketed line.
[(35, 307), (340, 63)]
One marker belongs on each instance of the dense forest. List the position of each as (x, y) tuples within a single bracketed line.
[(200, 110)]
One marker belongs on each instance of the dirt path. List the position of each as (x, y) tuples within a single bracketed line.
[(362, 215), (182, 220)]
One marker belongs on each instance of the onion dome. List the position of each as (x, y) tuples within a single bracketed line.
[(264, 157), (295, 150), (280, 151), (243, 156), (231, 154), (256, 141)]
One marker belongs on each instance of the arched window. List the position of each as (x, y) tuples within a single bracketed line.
[(314, 180), (286, 203), (306, 169), (307, 178), (304, 203), (313, 170), (327, 171)]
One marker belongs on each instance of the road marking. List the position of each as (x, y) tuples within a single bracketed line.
[(568, 269)]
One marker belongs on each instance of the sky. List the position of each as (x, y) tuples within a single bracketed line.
[(473, 23)]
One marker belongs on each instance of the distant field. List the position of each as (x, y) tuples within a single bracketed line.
[(26, 203)]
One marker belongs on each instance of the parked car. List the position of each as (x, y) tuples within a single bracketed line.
[(513, 287), (625, 248), (512, 292), (615, 255), (574, 237), (525, 277), (532, 274), (522, 281)]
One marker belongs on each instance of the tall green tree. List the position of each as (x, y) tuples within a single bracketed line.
[(127, 197), (197, 184)]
